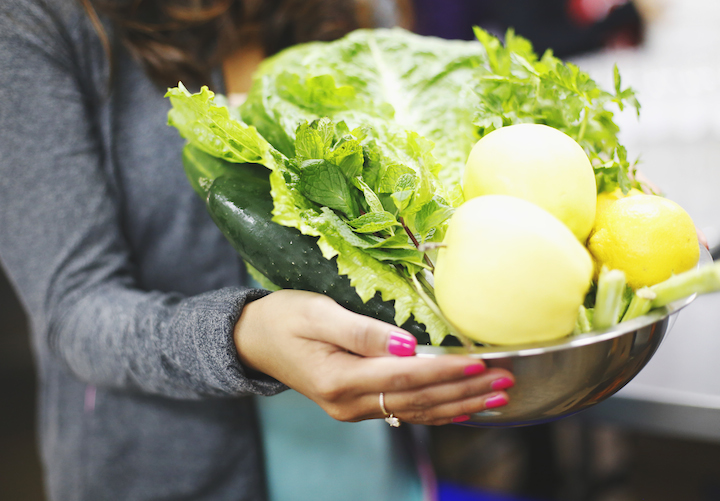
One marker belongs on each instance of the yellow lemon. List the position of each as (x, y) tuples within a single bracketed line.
[(607, 198), (648, 237), (510, 272), (537, 163), (604, 201)]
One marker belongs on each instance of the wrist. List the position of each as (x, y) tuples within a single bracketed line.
[(243, 339)]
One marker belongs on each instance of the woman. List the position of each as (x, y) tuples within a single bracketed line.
[(147, 340)]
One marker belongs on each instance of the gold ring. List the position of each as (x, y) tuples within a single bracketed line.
[(389, 416)]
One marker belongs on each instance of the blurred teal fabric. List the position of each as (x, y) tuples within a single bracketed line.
[(312, 457)]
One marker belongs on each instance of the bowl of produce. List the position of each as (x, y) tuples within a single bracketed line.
[(555, 379), (474, 193)]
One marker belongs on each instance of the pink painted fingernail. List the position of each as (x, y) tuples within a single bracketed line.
[(460, 419), (401, 344), (496, 401), (474, 369), (502, 384)]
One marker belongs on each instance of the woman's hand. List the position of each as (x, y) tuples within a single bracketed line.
[(340, 360)]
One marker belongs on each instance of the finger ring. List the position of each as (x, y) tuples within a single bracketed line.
[(389, 416)]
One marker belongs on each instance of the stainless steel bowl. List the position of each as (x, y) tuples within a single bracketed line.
[(558, 378)]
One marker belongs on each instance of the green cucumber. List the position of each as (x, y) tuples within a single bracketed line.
[(239, 201)]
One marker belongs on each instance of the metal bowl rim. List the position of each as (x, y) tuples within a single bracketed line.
[(566, 343)]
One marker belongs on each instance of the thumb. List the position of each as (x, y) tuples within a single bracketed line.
[(367, 336)]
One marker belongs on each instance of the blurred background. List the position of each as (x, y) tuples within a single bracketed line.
[(658, 439)]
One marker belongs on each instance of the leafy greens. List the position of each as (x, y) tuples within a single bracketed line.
[(366, 139)]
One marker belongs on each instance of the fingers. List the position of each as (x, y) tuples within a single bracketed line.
[(423, 391), (388, 374), (440, 404), (449, 402), (356, 333), (452, 412)]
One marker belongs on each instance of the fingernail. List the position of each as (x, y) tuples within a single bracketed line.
[(496, 401), (471, 370), (401, 344), (460, 419), (502, 384)]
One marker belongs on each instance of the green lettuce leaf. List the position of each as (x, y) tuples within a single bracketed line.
[(211, 128)]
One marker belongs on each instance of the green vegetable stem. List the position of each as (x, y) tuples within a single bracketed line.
[(584, 321), (640, 303), (609, 299), (703, 280)]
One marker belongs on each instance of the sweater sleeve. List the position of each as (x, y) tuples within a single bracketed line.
[(62, 243)]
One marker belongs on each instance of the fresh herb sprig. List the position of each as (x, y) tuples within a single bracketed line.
[(518, 87)]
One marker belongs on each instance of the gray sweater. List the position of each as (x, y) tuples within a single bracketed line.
[(131, 291)]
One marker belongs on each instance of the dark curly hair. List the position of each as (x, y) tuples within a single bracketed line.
[(184, 39)]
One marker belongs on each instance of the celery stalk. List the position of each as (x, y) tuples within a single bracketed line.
[(696, 281), (640, 304), (583, 323), (628, 294), (609, 298)]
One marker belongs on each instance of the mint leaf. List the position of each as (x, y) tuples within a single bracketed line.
[(400, 256), (426, 186), (347, 154), (371, 198), (403, 190), (390, 180), (373, 222), (398, 241), (324, 183), (431, 215), (313, 140), (377, 247)]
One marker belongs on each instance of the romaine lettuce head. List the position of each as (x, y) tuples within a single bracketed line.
[(386, 81)]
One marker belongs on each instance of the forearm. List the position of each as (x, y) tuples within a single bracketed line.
[(157, 343)]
